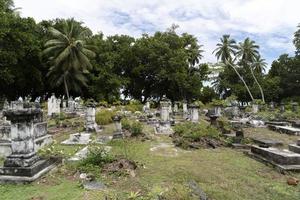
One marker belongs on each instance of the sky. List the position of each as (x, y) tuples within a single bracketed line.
[(270, 23)]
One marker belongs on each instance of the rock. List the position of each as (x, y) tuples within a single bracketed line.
[(292, 181), (94, 185), (196, 190), (83, 176)]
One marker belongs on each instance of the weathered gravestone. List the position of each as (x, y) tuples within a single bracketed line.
[(23, 165)]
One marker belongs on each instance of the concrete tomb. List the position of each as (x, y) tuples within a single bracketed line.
[(284, 160), (23, 165), (164, 126)]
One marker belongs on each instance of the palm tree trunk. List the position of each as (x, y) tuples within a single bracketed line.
[(242, 79), (66, 87), (260, 88)]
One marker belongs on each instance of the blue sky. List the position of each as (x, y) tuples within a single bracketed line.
[(271, 23)]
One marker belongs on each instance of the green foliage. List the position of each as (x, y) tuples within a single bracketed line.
[(194, 131), (126, 124), (136, 128), (218, 102), (97, 157), (134, 106), (104, 117), (68, 55)]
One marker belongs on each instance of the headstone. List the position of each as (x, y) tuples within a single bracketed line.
[(118, 125), (71, 105), (53, 105), (255, 108), (175, 109), (272, 106), (282, 107), (90, 119), (23, 165), (294, 106), (185, 109), (194, 113), (165, 110)]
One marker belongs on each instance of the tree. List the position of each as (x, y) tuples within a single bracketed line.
[(69, 55), (297, 40), (20, 47), (287, 70), (225, 51), (248, 53)]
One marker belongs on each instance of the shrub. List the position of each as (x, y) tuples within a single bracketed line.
[(104, 117), (194, 131), (136, 128), (134, 106), (97, 156), (126, 124)]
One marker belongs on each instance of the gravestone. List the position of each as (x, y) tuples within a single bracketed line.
[(53, 105), (255, 108), (294, 107), (282, 107), (175, 108), (90, 119), (295, 147), (184, 109), (164, 126), (118, 125), (272, 106), (194, 113), (23, 165), (71, 105)]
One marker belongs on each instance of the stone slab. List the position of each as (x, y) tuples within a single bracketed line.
[(285, 129), (280, 168), (281, 157), (267, 142), (294, 148), (78, 139), (94, 185)]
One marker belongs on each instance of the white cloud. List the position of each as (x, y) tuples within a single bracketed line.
[(270, 22)]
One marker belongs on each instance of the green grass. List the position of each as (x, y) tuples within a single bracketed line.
[(223, 173)]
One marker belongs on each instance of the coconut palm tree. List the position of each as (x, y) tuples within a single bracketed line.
[(248, 53), (68, 55), (260, 64), (225, 49), (225, 52)]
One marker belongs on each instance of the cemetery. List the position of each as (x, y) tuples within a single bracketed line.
[(89, 115)]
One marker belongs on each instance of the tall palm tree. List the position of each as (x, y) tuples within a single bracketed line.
[(68, 55), (248, 53), (225, 49), (260, 64), (225, 52)]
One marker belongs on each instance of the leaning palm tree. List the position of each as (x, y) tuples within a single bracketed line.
[(248, 53), (225, 49), (260, 64), (68, 55), (225, 52)]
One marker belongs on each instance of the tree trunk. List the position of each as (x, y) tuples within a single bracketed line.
[(260, 88), (66, 87), (242, 79)]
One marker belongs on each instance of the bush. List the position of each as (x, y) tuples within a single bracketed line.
[(97, 156), (126, 124), (134, 106), (104, 117), (194, 131), (136, 128)]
